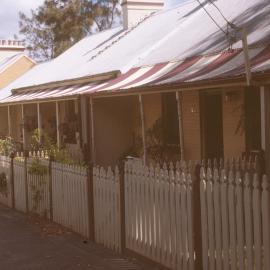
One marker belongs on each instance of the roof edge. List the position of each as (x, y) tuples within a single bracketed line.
[(81, 80)]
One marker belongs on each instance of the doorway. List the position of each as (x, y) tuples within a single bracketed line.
[(212, 125)]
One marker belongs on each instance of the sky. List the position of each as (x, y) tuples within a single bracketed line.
[(9, 10)]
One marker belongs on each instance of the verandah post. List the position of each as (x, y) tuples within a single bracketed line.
[(180, 124), (142, 114)]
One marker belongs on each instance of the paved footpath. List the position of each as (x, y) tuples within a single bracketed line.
[(25, 246)]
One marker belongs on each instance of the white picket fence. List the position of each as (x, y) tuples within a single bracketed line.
[(159, 219), (232, 203), (38, 187), (235, 221), (32, 191), (5, 194), (107, 207), (20, 184), (70, 202)]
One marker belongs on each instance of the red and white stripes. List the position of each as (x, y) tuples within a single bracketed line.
[(227, 64)]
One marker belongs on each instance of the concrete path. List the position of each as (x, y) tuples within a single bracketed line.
[(26, 244)]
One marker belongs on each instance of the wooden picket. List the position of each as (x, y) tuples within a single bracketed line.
[(159, 214), (107, 207), (19, 184), (235, 214)]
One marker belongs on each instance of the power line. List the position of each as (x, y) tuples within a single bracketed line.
[(222, 14), (210, 16)]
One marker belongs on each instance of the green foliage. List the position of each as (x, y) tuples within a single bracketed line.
[(157, 149), (41, 141), (58, 24), (7, 146), (3, 184), (36, 168)]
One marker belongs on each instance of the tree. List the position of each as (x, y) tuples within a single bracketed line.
[(58, 24)]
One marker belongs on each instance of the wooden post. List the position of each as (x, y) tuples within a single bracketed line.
[(9, 122), (23, 128), (122, 207), (263, 130), (93, 150), (57, 123), (90, 199), (267, 128), (50, 188), (143, 129), (180, 125), (246, 55), (12, 156), (26, 155), (39, 122)]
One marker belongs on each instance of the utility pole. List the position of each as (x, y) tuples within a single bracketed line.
[(241, 34), (246, 55)]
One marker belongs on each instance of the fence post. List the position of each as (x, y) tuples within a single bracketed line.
[(122, 207), (90, 200), (12, 155), (197, 218), (50, 187), (26, 155)]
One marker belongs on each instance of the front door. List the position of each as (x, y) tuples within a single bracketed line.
[(212, 125)]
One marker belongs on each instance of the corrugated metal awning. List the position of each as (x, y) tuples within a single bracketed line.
[(224, 65)]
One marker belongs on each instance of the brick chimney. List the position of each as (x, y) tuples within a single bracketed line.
[(9, 48), (136, 10)]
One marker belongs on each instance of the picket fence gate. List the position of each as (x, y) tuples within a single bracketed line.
[(107, 207), (69, 197), (159, 214)]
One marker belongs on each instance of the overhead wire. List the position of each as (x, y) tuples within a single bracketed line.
[(212, 18)]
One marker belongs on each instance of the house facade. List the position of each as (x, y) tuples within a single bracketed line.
[(167, 88), (13, 64)]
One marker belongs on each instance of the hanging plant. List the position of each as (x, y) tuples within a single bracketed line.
[(3, 184)]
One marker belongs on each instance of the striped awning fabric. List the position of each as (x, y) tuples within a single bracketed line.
[(228, 64)]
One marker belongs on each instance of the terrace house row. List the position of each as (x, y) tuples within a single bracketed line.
[(169, 84)]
